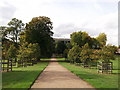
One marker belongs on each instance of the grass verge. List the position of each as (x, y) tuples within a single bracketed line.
[(92, 77), (22, 77)]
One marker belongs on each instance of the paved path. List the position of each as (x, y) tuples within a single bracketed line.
[(56, 76)]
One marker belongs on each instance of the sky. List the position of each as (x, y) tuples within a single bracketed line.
[(68, 16)]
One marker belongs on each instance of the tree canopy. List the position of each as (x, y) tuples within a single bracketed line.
[(38, 30), (79, 38), (15, 26), (102, 38)]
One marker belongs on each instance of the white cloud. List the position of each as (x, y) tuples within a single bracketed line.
[(6, 12), (93, 16)]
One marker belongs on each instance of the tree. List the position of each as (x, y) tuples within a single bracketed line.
[(108, 53), (74, 54), (28, 52), (85, 54), (102, 38), (3, 32), (12, 52), (34, 51), (38, 30), (79, 38), (68, 45), (14, 29), (60, 47), (6, 44), (23, 54), (94, 43), (65, 53)]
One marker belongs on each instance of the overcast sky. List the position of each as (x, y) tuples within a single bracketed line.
[(92, 16)]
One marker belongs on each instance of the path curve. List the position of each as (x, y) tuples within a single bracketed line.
[(56, 76)]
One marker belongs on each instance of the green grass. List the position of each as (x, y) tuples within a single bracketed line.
[(91, 76), (22, 77), (60, 59)]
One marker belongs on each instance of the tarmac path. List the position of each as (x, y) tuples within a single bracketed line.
[(56, 76)]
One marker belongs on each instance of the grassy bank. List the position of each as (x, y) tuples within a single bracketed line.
[(22, 77), (95, 79)]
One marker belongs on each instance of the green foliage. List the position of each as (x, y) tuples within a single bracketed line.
[(94, 43), (14, 29), (96, 54), (102, 38), (107, 52), (68, 45), (3, 31), (74, 54), (79, 38), (60, 47), (38, 30), (34, 50), (12, 52), (29, 51), (85, 54), (65, 53)]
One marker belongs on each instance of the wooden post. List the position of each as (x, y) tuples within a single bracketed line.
[(3, 65), (8, 66), (11, 64)]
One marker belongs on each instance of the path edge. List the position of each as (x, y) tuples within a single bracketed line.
[(37, 77), (80, 78)]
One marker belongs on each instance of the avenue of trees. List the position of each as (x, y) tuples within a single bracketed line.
[(27, 42), (87, 50), (31, 41)]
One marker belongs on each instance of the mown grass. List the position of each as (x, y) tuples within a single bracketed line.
[(92, 76), (60, 59), (22, 77)]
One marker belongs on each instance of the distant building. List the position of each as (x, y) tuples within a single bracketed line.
[(64, 40)]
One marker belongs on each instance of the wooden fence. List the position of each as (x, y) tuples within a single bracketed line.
[(7, 65), (105, 67)]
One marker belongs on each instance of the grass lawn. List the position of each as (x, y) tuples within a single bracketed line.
[(91, 76), (22, 77), (60, 59)]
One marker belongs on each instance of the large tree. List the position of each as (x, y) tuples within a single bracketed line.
[(38, 30), (15, 26)]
